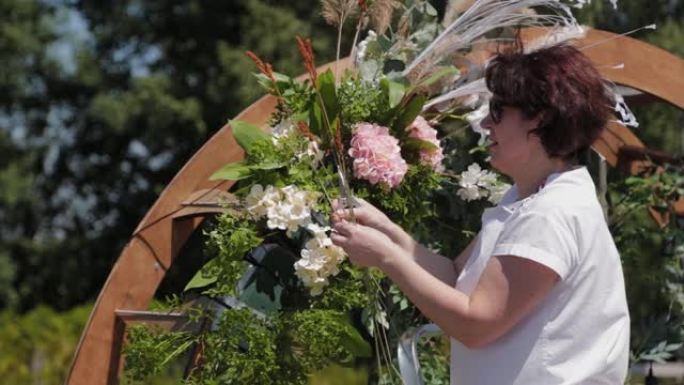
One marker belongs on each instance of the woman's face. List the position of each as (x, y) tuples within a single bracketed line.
[(512, 148)]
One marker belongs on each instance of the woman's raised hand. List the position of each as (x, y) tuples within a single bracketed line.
[(364, 213), (368, 215)]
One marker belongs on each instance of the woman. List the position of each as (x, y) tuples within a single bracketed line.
[(538, 297)]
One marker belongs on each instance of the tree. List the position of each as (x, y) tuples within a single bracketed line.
[(103, 127)]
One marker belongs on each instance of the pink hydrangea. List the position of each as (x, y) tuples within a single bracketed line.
[(377, 155), (421, 129)]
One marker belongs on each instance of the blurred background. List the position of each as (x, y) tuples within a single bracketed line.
[(103, 102)]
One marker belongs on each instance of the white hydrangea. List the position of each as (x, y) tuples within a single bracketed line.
[(289, 208), (319, 260), (476, 183), (259, 200), (286, 128), (282, 129), (313, 151), (286, 208)]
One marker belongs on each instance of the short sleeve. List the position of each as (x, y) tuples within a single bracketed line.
[(545, 238)]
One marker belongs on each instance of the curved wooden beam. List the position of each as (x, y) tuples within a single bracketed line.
[(166, 227), (642, 66)]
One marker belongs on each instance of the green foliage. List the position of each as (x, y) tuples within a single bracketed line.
[(241, 350), (247, 135), (360, 101), (345, 293), (233, 171), (295, 96), (149, 350), (264, 155), (327, 90), (411, 204), (339, 375), (393, 91), (652, 259), (244, 348), (322, 337), (230, 241), (433, 355), (37, 347)]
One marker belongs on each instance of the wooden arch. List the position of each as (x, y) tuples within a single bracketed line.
[(180, 210)]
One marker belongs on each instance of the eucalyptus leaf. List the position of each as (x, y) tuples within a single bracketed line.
[(233, 171)]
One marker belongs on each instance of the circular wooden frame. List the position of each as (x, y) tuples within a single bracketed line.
[(179, 210)]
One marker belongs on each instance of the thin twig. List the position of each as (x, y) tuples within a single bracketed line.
[(359, 25)]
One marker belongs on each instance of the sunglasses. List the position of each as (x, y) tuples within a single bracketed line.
[(496, 107)]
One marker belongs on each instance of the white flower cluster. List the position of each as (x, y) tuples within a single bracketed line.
[(363, 45), (286, 128), (319, 260), (286, 208), (289, 208), (314, 152), (477, 183)]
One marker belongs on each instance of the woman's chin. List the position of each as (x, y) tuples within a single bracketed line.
[(495, 164)]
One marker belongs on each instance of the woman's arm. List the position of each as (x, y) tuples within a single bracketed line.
[(445, 269), (508, 290)]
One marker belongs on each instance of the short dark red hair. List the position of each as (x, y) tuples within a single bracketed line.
[(562, 85)]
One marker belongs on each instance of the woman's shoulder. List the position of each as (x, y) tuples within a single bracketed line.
[(567, 192), (568, 203)]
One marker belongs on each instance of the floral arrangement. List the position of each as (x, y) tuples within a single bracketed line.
[(394, 130)]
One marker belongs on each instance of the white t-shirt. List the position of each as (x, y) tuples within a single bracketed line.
[(579, 334)]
